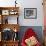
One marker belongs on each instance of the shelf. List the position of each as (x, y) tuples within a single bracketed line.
[(10, 26), (9, 10), (4, 8), (11, 41)]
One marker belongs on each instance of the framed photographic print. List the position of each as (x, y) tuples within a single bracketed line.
[(30, 13), (5, 12)]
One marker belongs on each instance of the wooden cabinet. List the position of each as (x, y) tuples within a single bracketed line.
[(9, 23)]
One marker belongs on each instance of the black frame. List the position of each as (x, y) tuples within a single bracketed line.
[(30, 10)]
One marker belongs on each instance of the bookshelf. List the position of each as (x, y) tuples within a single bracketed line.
[(9, 22)]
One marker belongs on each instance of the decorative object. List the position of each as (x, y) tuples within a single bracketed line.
[(30, 13), (15, 37), (13, 12), (7, 34), (5, 12), (15, 3), (6, 21)]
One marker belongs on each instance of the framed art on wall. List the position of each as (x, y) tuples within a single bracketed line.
[(30, 13)]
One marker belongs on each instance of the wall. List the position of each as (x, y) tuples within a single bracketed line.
[(31, 4), (27, 4)]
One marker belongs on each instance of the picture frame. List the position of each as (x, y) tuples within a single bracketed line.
[(5, 12), (30, 13)]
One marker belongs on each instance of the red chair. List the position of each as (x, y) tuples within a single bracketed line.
[(29, 33)]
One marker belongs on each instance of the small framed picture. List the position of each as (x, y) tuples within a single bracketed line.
[(5, 12), (30, 13)]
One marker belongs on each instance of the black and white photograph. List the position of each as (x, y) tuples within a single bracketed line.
[(30, 13)]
